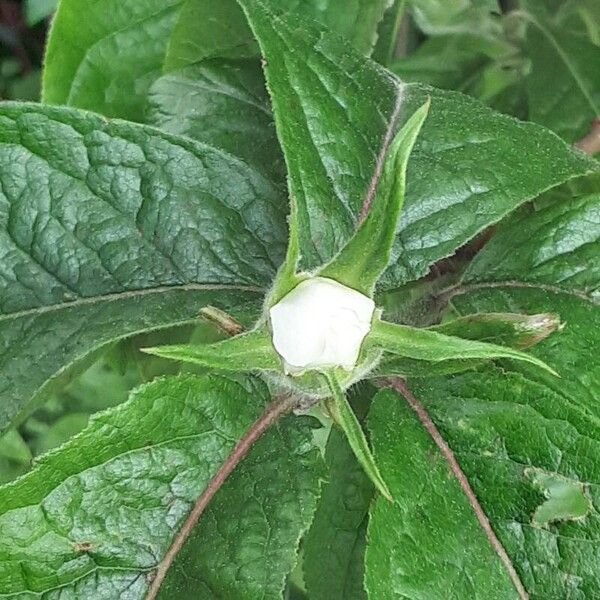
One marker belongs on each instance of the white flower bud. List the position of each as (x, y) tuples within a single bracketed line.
[(320, 324)]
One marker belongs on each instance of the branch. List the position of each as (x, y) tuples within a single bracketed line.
[(399, 385), (590, 144), (279, 407)]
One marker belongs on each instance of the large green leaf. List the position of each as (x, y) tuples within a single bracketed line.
[(530, 443), (335, 544), (103, 55), (247, 541), (94, 518), (428, 543), (109, 228), (513, 431), (333, 108), (564, 60)]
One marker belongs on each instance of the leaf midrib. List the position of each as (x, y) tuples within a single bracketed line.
[(129, 294)]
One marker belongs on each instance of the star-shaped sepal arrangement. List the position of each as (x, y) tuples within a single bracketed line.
[(321, 332)]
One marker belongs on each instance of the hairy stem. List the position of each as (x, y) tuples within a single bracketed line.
[(590, 144), (399, 385), (279, 407)]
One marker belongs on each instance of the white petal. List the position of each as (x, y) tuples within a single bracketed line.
[(321, 323)]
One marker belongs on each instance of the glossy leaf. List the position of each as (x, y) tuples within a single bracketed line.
[(428, 543), (160, 237), (528, 442), (105, 506), (251, 351), (332, 109), (429, 345), (502, 425), (247, 540)]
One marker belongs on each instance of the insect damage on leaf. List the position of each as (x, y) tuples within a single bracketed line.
[(566, 499)]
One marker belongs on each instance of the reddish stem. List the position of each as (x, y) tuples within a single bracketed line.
[(273, 412)]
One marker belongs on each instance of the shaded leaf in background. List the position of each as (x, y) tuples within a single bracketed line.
[(106, 61), (106, 506), (223, 103), (38, 10), (439, 17), (168, 226), (564, 82)]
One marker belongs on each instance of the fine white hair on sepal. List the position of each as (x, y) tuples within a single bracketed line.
[(320, 324)]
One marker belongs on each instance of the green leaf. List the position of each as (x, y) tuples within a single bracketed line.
[(429, 345), (169, 226), (439, 17), (428, 543), (346, 419), (106, 506), (501, 425), (555, 245), (107, 61), (365, 257), (223, 103), (529, 443), (464, 56), (565, 61), (251, 351), (247, 540), (333, 108), (387, 34), (335, 544), (209, 30)]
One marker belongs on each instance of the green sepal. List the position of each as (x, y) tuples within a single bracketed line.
[(365, 257), (252, 351), (507, 329), (429, 345), (287, 277), (344, 416)]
